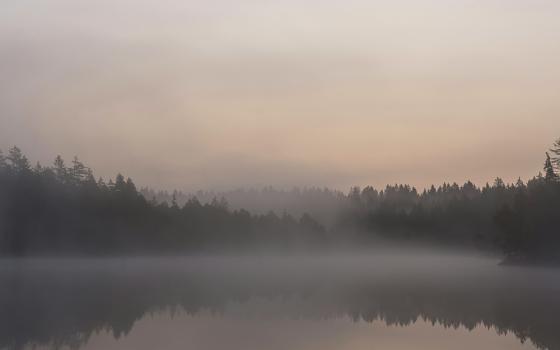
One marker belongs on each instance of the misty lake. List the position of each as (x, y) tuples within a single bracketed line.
[(405, 300)]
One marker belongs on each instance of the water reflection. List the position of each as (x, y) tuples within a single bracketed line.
[(90, 303), (209, 332)]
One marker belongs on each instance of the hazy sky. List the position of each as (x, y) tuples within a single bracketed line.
[(215, 94)]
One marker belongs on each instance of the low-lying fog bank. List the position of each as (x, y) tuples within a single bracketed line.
[(65, 210), (60, 301)]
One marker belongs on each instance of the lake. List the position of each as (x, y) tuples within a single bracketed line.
[(389, 300)]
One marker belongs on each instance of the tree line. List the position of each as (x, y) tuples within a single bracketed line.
[(63, 208), (323, 204), (521, 219)]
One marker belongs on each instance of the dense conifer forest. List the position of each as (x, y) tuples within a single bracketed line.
[(65, 209)]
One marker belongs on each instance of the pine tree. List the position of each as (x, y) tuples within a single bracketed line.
[(120, 184), (89, 181), (60, 170), (18, 161), (556, 151), (130, 187), (79, 172), (550, 175), (499, 183), (38, 168)]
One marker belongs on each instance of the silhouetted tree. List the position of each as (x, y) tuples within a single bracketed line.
[(79, 172), (550, 175), (556, 151), (59, 209), (60, 169), (18, 161)]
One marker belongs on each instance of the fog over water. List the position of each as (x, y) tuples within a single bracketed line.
[(279, 174), (401, 300)]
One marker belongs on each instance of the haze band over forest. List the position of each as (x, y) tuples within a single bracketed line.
[(64, 209)]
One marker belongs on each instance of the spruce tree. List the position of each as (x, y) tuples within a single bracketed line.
[(120, 184), (60, 170), (550, 175), (556, 151), (17, 160), (79, 172)]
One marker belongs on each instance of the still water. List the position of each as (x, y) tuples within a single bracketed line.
[(375, 301)]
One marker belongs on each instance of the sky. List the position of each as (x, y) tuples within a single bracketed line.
[(220, 94)]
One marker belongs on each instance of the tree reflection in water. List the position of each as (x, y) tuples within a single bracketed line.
[(63, 302)]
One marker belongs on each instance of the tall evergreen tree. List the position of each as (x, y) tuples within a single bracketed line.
[(556, 151), (79, 172), (38, 168), (550, 175), (18, 161), (60, 170), (89, 181), (120, 184), (130, 187), (499, 183)]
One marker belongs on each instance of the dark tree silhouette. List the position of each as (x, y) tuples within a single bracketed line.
[(550, 175), (60, 209), (556, 151), (64, 209), (18, 161)]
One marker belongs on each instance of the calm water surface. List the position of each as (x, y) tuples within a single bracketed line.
[(381, 301)]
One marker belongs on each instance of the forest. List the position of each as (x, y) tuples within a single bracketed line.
[(64, 209)]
